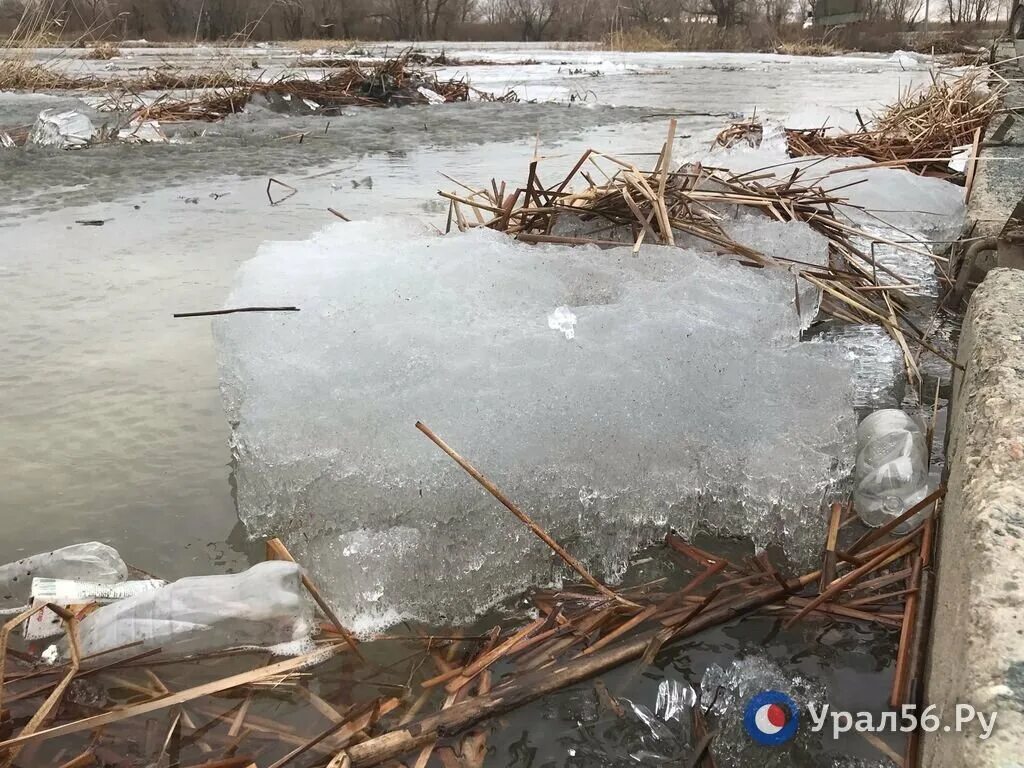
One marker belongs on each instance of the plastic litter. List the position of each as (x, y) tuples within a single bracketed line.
[(66, 130), (892, 468), (263, 606), (661, 737), (75, 596), (88, 561)]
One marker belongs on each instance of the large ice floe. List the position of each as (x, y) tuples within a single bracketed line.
[(610, 395)]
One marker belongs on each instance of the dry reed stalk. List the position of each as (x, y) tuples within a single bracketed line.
[(922, 125), (537, 531)]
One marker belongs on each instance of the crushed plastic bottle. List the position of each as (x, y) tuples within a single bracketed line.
[(892, 469), (88, 561), (263, 606)]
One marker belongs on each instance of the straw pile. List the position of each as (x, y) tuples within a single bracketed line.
[(919, 131)]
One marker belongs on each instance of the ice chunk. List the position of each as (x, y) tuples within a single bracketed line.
[(879, 375), (683, 400), (88, 561), (143, 132), (432, 97), (263, 606), (65, 130)]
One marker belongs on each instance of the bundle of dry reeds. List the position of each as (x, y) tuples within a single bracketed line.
[(918, 132), (360, 714), (749, 132), (607, 201), (392, 82)]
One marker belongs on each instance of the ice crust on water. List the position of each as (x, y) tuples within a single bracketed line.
[(684, 399)]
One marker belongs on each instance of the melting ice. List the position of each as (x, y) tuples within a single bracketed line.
[(683, 399)]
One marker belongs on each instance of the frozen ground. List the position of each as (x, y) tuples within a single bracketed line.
[(111, 419)]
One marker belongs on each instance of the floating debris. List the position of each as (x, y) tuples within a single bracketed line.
[(919, 132)]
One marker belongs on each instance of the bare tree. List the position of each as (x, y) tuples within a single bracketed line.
[(532, 16), (776, 12), (903, 11)]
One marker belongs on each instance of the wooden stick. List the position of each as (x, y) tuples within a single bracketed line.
[(840, 584), (874, 535), (212, 312), (828, 561), (276, 550), (533, 685), (900, 676), (206, 689), (539, 532), (48, 706), (85, 760), (491, 656)]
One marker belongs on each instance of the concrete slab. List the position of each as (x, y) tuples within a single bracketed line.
[(999, 180), (977, 652)]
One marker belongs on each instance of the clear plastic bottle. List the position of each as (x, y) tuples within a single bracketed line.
[(892, 469), (88, 561), (263, 606)]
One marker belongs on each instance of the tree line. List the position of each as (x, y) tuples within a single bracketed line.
[(527, 20)]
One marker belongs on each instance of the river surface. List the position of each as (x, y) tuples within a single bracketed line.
[(110, 420), (111, 424)]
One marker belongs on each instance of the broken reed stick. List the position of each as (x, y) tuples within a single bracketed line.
[(828, 560), (843, 582), (900, 676), (276, 550), (473, 472), (206, 689), (877, 533), (702, 755), (48, 706), (535, 684), (291, 191), (213, 312), (921, 636), (330, 731), (85, 760)]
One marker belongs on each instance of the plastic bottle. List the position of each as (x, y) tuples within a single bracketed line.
[(892, 469), (88, 561), (262, 606)]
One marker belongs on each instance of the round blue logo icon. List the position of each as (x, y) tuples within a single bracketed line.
[(771, 718)]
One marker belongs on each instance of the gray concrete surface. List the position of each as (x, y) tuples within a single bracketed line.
[(999, 179), (977, 654)]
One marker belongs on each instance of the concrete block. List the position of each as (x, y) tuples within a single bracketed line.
[(977, 651)]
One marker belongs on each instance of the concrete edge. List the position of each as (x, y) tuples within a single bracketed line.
[(977, 645)]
